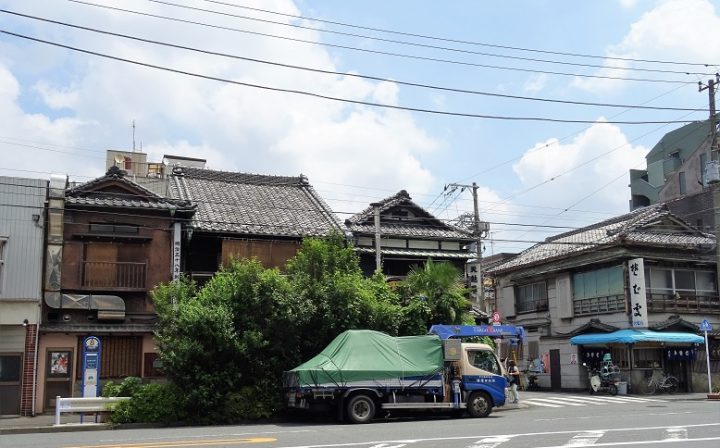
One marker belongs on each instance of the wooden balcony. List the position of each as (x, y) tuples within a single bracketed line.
[(691, 304), (114, 276)]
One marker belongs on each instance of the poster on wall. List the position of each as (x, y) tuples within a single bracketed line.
[(59, 363)]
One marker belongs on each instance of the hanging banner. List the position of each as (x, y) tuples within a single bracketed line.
[(638, 298), (91, 367), (176, 248)]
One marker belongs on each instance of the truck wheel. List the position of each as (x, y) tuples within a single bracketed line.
[(479, 405), (360, 409)]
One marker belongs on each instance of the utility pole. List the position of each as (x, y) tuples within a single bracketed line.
[(480, 230), (712, 170)]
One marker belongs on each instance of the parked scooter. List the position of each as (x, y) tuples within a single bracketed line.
[(604, 380)]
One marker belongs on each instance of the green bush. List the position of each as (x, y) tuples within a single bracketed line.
[(126, 388), (255, 402), (149, 403)]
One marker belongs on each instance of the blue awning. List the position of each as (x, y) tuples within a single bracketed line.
[(632, 336)]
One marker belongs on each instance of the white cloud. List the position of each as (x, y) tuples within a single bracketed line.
[(591, 169), (233, 127), (628, 4), (536, 83), (675, 30)]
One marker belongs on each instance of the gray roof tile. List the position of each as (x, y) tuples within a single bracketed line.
[(649, 226), (424, 225), (251, 204)]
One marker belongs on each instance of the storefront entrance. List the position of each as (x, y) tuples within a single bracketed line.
[(58, 374), (10, 382)]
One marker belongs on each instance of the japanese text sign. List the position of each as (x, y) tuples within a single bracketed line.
[(638, 299)]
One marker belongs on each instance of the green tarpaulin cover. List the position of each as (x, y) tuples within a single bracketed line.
[(365, 355)]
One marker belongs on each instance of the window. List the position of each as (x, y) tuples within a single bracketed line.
[(681, 182), (670, 281), (531, 298), (484, 360), (114, 229), (620, 356), (647, 358), (703, 162), (599, 291)]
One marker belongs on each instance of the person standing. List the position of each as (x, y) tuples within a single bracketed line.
[(514, 375)]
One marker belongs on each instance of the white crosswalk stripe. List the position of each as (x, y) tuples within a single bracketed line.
[(558, 401)]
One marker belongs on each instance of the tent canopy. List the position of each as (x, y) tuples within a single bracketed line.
[(632, 336)]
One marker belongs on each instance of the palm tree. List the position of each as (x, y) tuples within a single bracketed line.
[(440, 284)]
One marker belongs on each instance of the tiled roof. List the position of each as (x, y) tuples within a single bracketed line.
[(251, 204), (423, 253), (425, 226), (409, 230), (649, 226), (92, 194)]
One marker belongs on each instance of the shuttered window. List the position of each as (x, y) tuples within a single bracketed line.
[(120, 356)]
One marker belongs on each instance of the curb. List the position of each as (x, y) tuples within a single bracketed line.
[(68, 427)]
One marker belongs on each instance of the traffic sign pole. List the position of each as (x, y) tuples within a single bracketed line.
[(707, 359), (705, 327)]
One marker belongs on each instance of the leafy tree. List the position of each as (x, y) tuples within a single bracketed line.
[(326, 273), (435, 292)]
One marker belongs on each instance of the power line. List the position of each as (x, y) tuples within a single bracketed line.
[(385, 53), (348, 74), (325, 97), (459, 41), (416, 44)]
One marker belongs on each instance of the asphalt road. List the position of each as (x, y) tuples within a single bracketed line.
[(543, 420)]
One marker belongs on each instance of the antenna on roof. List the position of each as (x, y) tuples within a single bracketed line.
[(133, 134)]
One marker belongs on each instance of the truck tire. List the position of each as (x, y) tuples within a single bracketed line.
[(360, 409), (479, 405)]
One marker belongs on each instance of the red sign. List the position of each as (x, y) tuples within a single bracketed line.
[(496, 317)]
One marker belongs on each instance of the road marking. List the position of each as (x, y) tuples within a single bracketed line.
[(644, 442), (490, 442), (385, 445), (440, 439), (183, 443), (553, 401), (586, 438), (575, 400), (541, 404), (676, 433)]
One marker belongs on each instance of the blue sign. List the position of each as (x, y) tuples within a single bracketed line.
[(705, 325), (91, 367)]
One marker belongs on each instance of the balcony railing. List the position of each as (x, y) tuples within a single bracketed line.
[(665, 303), (112, 275)]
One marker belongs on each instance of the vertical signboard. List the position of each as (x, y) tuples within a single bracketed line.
[(177, 232), (638, 298), (91, 367)]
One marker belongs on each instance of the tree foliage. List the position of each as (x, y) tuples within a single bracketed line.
[(230, 341)]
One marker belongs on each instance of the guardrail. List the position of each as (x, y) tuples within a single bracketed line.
[(84, 404)]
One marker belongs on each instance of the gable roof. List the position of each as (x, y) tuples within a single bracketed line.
[(253, 204), (653, 226), (421, 225), (114, 190)]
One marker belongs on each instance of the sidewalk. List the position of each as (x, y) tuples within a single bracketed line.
[(69, 422)]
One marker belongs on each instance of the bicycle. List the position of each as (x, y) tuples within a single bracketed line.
[(667, 383)]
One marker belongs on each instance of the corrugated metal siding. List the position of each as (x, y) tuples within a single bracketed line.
[(20, 199)]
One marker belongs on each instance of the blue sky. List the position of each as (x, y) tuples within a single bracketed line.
[(60, 110)]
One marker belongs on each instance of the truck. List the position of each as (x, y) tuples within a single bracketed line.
[(363, 372)]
